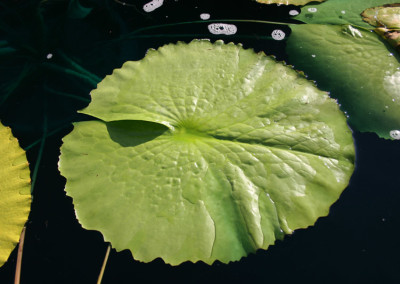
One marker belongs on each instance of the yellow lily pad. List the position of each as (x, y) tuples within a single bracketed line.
[(15, 196)]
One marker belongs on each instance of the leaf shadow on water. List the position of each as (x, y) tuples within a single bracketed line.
[(131, 133)]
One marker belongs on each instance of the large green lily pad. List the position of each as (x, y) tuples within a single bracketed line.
[(357, 67), (15, 197), (205, 152)]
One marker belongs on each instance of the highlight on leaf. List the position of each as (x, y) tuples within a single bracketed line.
[(203, 152), (15, 197)]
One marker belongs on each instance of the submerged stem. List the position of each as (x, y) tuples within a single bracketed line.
[(64, 94), (77, 66), (265, 37), (40, 154), (133, 34), (67, 71), (206, 21), (30, 146)]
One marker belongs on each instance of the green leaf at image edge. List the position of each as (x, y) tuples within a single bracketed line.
[(339, 12), (15, 197), (205, 152), (357, 67)]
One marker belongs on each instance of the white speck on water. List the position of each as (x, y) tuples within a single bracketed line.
[(383, 219), (312, 10), (293, 12), (151, 6), (343, 12), (49, 56), (395, 134), (204, 16), (393, 100), (386, 106), (220, 28), (313, 55), (278, 35), (390, 54)]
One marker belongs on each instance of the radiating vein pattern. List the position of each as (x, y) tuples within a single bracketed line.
[(205, 152)]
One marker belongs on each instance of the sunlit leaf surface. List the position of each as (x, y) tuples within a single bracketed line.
[(205, 152), (15, 197)]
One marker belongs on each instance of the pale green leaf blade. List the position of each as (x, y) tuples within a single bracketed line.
[(339, 12), (221, 161), (15, 197), (357, 68), (289, 2)]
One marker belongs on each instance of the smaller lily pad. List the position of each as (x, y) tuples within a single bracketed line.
[(338, 12), (15, 197), (387, 16), (289, 2), (386, 19), (356, 67)]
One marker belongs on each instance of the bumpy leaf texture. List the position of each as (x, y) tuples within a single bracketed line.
[(15, 196), (205, 152)]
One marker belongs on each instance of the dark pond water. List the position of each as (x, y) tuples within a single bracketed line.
[(356, 243)]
